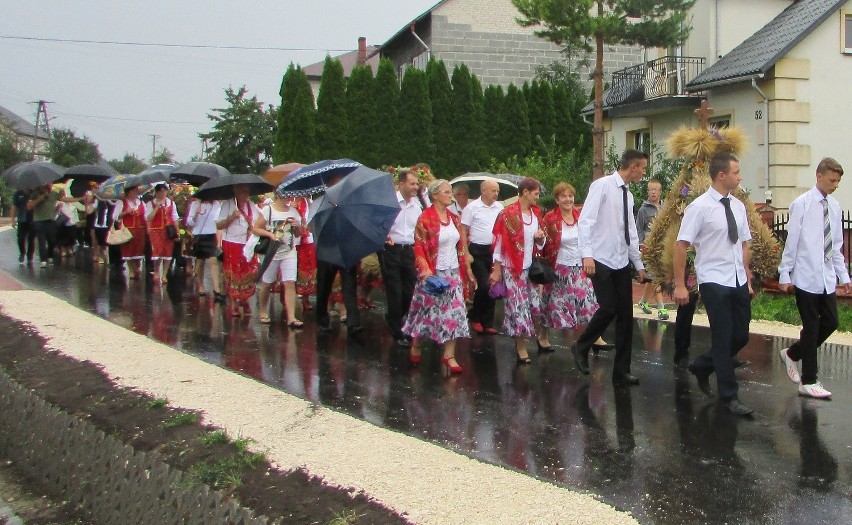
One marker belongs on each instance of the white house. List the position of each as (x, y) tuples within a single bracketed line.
[(27, 137), (780, 69)]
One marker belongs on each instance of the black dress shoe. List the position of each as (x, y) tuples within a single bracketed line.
[(682, 362), (703, 379), (607, 347), (544, 349), (403, 341), (581, 360), (736, 408), (625, 379), (325, 327), (741, 363)]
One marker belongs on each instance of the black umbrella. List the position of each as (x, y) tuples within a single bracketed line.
[(222, 188), (87, 172), (353, 218), (29, 175), (197, 173), (152, 175), (79, 187), (267, 258)]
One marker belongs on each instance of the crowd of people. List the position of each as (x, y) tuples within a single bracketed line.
[(448, 259)]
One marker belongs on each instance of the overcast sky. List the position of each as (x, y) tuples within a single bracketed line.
[(119, 95)]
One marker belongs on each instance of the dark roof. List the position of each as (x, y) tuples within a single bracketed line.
[(763, 49), (19, 125), (347, 60), (419, 17)]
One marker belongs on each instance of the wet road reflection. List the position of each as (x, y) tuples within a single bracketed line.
[(662, 451)]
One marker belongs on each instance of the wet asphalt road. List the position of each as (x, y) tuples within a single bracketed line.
[(662, 451)]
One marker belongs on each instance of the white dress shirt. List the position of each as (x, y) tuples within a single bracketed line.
[(704, 225), (803, 262), (202, 217), (402, 231), (238, 230), (602, 225), (480, 220), (455, 209), (149, 208)]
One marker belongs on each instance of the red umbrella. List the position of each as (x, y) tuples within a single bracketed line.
[(276, 174)]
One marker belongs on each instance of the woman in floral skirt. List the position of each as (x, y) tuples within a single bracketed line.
[(570, 300), (517, 232), (236, 219), (438, 251)]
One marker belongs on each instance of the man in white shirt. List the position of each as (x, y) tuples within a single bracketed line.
[(477, 221), (716, 224), (608, 244), (397, 259), (461, 197), (811, 266)]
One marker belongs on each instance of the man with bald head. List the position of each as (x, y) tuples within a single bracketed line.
[(477, 221)]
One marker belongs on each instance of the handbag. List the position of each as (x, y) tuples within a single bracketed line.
[(436, 285), (172, 232), (262, 245), (497, 290), (540, 272), (116, 236)]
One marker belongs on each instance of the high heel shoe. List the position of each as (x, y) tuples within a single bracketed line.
[(524, 360), (544, 349), (414, 359), (454, 369)]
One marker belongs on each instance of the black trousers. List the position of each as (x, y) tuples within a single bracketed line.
[(348, 280), (482, 310), (46, 233), (683, 327), (729, 311), (819, 320), (399, 276), (26, 240), (614, 292)]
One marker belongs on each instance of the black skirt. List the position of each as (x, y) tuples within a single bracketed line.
[(204, 246)]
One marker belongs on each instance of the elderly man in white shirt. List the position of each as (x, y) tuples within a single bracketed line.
[(397, 259), (811, 266), (716, 224), (477, 225), (608, 244)]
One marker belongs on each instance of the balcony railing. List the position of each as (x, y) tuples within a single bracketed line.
[(663, 77)]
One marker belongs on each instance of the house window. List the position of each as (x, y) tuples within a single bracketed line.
[(641, 139), (421, 60), (720, 122), (846, 32)]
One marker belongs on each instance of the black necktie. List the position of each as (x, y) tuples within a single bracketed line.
[(732, 224), (624, 210)]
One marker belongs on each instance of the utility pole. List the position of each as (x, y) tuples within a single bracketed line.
[(153, 146), (203, 149), (42, 110)]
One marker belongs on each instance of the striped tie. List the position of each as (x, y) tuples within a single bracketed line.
[(826, 230)]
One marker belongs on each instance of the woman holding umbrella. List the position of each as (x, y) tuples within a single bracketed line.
[(516, 232), (160, 212), (438, 251), (281, 222), (130, 212), (236, 219)]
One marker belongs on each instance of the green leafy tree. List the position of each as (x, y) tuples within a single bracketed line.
[(164, 156), (415, 119), (10, 154), (67, 149), (332, 115), (579, 23), (515, 135), (468, 124), (295, 140), (386, 114), (129, 164), (241, 140), (494, 123), (440, 94), (359, 98)]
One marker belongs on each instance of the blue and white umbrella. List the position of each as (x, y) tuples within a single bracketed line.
[(311, 179)]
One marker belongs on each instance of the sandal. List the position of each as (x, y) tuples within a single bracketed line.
[(264, 319), (296, 324)]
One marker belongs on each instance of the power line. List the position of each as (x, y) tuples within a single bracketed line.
[(161, 44), (133, 119)]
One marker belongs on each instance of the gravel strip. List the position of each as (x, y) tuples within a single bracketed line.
[(426, 483)]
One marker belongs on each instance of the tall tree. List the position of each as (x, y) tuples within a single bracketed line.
[(359, 99), (515, 135), (440, 94), (468, 124), (571, 130), (242, 135), (493, 108), (164, 156), (386, 98), (332, 115), (579, 23), (541, 113), (415, 119), (297, 117), (67, 149), (129, 164)]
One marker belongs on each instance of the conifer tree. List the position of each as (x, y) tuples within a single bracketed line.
[(415, 119), (440, 95), (541, 113), (359, 98), (515, 136), (332, 115), (283, 127), (571, 130), (493, 108), (468, 124), (386, 100), (297, 117)]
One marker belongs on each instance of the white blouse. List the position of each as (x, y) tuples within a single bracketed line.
[(238, 231), (448, 238), (569, 246)]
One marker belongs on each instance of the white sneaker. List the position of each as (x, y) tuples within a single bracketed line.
[(792, 370), (44, 264), (814, 390)]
